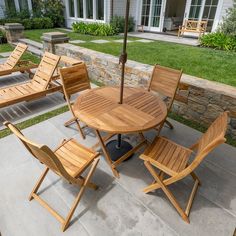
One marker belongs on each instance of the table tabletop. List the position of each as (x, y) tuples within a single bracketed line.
[(99, 109)]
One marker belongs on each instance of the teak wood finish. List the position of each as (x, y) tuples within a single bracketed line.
[(140, 111), (173, 160), (74, 79), (69, 161), (165, 81), (39, 86), (193, 26), (14, 64)]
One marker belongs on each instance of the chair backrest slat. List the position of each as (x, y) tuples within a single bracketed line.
[(74, 79), (15, 56), (45, 70), (215, 132), (165, 82)]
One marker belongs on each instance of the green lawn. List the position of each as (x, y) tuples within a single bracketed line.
[(26, 56), (206, 63)]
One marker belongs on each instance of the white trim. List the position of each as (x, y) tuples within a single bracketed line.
[(217, 15), (30, 5), (17, 5)]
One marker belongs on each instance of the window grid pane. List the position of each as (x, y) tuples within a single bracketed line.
[(89, 6), (80, 9), (100, 9), (71, 8)]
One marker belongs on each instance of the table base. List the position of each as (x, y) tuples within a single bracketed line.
[(115, 152)]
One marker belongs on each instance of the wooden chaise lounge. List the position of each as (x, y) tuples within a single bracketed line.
[(14, 64), (40, 85)]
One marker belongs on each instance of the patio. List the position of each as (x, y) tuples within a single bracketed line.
[(119, 206)]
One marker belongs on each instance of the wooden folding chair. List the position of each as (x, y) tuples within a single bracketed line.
[(173, 162), (14, 64), (165, 81), (69, 161), (74, 79), (40, 85)]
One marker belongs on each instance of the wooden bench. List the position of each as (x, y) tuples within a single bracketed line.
[(193, 26)]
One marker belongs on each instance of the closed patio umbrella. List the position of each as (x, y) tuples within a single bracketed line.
[(119, 147)]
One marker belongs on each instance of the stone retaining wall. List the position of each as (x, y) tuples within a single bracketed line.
[(197, 99)]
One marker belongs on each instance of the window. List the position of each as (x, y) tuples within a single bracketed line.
[(10, 5), (209, 13), (195, 9), (145, 12), (89, 6), (23, 4), (100, 9), (80, 8), (71, 8)]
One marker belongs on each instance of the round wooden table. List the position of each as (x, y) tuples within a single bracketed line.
[(99, 109)]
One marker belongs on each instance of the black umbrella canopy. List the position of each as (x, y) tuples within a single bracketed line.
[(123, 56)]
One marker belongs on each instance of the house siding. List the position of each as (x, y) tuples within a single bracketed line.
[(2, 6)]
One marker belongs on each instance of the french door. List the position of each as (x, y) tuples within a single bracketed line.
[(202, 10), (152, 15)]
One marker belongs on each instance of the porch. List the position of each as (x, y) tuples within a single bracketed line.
[(165, 38)]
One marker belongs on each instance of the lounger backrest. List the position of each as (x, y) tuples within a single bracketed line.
[(165, 82), (15, 56), (45, 71), (41, 152)]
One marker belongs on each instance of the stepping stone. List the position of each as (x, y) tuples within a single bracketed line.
[(144, 41), (77, 41), (100, 41), (5, 54), (121, 41)]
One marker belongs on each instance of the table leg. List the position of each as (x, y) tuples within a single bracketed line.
[(106, 154)]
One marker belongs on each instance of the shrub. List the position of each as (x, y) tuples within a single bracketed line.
[(53, 9), (97, 29), (219, 40), (228, 25), (33, 23), (3, 38), (118, 22), (27, 23)]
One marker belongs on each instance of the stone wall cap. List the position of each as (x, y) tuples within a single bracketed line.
[(54, 35), (12, 26)]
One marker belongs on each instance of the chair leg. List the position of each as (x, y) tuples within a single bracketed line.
[(169, 195), (78, 198), (72, 120), (69, 122), (169, 124), (38, 184)]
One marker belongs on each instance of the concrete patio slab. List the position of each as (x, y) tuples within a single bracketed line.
[(77, 41), (100, 41), (122, 40), (118, 207), (144, 41), (5, 54), (165, 38)]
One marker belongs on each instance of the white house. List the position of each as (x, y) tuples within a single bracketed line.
[(154, 15)]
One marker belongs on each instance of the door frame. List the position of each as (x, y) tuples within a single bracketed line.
[(217, 14), (162, 17)]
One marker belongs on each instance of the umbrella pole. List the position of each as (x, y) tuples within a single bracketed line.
[(119, 147), (123, 60), (123, 56)]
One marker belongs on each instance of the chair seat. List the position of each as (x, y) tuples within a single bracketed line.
[(167, 155), (74, 157)]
